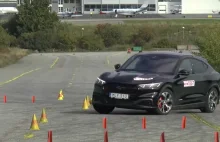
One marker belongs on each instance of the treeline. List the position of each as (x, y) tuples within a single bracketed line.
[(36, 28)]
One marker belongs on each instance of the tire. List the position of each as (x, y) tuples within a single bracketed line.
[(165, 93), (102, 109), (212, 96)]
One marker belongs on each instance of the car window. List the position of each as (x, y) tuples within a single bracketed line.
[(198, 66), (186, 64), (133, 64), (154, 63)]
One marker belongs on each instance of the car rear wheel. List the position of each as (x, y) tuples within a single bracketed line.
[(164, 102), (211, 102), (102, 109)]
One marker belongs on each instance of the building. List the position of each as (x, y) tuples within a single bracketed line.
[(95, 6), (201, 7), (86, 6), (155, 6), (167, 6), (67, 5), (108, 5), (8, 3)]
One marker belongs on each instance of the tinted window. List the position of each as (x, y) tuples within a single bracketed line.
[(152, 63), (186, 64), (198, 66)]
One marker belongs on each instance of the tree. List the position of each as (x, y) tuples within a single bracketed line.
[(110, 34), (143, 35), (209, 46), (164, 43), (32, 17)]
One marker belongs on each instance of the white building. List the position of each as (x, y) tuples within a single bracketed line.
[(86, 6), (8, 3), (200, 6), (108, 5), (166, 6), (155, 6)]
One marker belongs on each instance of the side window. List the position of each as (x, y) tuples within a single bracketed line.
[(198, 66), (132, 64), (186, 64)]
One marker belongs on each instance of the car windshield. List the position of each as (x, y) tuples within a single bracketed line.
[(152, 63)]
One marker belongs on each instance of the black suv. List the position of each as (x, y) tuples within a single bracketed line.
[(158, 82)]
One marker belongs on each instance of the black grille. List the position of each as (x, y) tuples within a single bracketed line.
[(123, 88)]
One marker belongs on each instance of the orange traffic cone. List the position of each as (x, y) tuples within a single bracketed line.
[(34, 124), (88, 100), (216, 137), (60, 96), (85, 104), (162, 137), (61, 93), (129, 50), (106, 136), (43, 118)]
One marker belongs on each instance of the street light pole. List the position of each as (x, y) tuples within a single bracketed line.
[(82, 31), (183, 31)]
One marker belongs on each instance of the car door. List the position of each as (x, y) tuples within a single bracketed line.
[(199, 72), (184, 86)]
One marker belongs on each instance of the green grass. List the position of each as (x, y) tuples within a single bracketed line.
[(11, 55), (163, 29)]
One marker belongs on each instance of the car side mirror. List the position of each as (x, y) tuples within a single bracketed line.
[(117, 66), (183, 72)]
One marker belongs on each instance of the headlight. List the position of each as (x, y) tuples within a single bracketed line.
[(149, 86), (100, 81)]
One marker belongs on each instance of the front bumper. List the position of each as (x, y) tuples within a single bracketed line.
[(135, 101)]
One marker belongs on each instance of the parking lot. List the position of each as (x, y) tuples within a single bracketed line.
[(44, 75)]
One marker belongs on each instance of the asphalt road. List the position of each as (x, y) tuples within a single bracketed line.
[(100, 19), (145, 16), (43, 75), (122, 19)]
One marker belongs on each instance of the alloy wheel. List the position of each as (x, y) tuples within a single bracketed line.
[(165, 102), (212, 100)]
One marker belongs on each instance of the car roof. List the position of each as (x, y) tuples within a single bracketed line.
[(172, 53), (201, 58), (166, 53)]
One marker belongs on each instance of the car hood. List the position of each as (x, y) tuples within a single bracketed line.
[(134, 77)]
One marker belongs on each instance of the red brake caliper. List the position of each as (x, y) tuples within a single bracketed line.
[(159, 102)]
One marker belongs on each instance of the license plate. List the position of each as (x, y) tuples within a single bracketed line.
[(119, 96)]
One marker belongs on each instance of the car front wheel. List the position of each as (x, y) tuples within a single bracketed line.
[(211, 101), (102, 109), (164, 102)]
